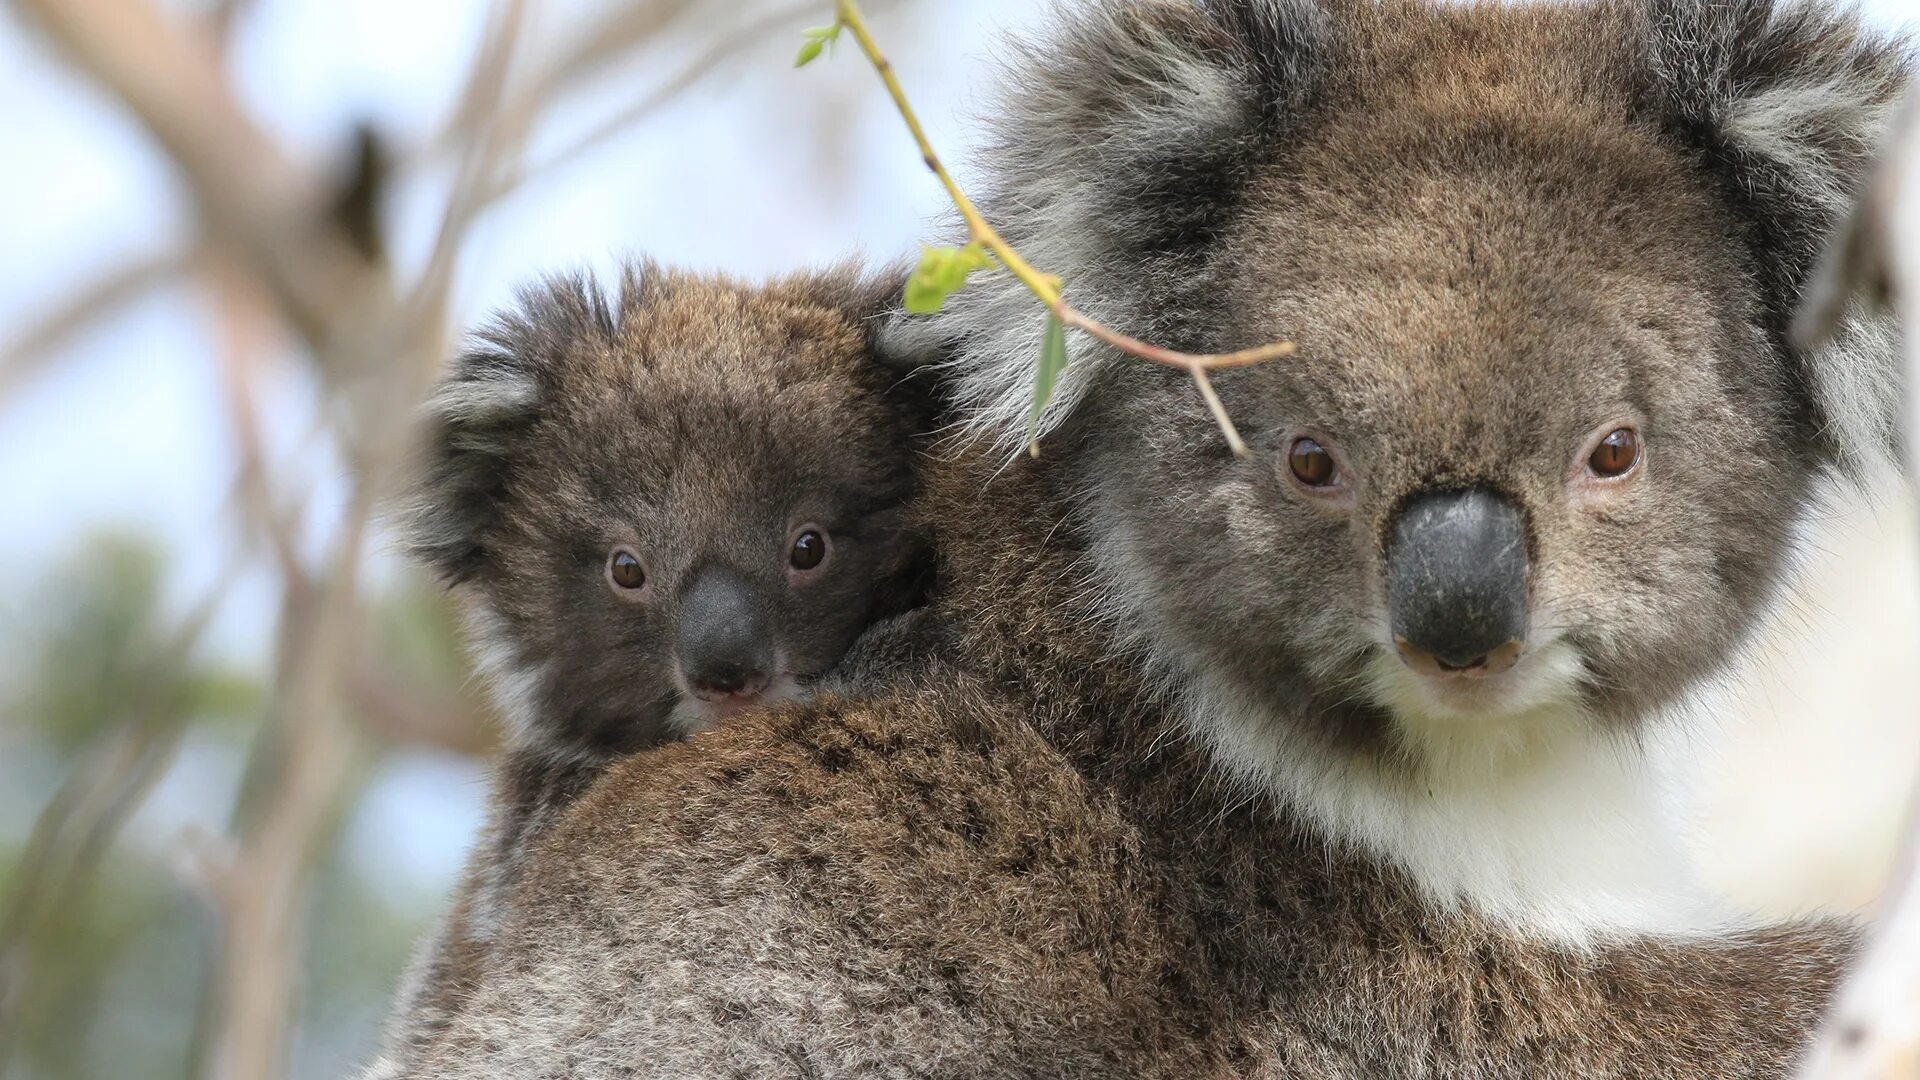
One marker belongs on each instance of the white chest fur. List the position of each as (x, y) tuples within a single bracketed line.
[(1574, 834)]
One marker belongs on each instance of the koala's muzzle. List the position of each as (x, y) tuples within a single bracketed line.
[(1457, 581), (723, 639)]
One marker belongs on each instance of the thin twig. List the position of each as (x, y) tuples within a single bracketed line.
[(1133, 346), (610, 39), (1046, 286)]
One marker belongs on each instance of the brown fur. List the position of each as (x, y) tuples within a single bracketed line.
[(1488, 227)]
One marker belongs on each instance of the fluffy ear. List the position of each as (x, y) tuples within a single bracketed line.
[(470, 425), (1119, 152), (474, 422), (1788, 103)]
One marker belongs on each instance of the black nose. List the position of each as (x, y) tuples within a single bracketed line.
[(1457, 576), (724, 643)]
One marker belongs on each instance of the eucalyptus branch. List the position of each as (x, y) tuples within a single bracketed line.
[(942, 272)]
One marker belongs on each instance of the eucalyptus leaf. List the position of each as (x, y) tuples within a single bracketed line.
[(818, 38), (1053, 360), (941, 273)]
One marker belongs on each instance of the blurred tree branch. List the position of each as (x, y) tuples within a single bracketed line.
[(402, 714), (743, 36), (166, 71), (283, 247)]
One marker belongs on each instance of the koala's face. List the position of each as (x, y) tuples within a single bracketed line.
[(674, 556), (696, 512), (1533, 458)]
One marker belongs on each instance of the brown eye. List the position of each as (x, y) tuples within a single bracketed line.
[(1310, 462), (1616, 453), (808, 549), (625, 570)]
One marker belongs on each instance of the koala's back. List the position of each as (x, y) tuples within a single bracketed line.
[(846, 889), (930, 901), (862, 890)]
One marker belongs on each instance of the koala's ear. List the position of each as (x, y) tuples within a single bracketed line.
[(1122, 142), (470, 428), (474, 425), (1788, 105)]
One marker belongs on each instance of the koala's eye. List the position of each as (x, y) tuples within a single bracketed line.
[(1616, 453), (808, 549), (1312, 465), (624, 570)]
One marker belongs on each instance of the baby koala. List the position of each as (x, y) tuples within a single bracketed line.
[(658, 508), (666, 505)]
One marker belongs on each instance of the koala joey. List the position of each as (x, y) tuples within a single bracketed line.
[(659, 508)]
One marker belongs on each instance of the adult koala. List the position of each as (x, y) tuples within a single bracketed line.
[(1239, 766)]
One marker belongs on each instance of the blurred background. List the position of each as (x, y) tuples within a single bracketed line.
[(240, 754)]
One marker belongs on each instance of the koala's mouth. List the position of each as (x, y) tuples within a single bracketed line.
[(697, 711), (1485, 665), (1511, 680)]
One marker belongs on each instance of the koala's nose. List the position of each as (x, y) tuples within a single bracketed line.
[(1457, 581), (724, 645)]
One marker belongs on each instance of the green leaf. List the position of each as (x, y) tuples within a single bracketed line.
[(818, 38), (941, 273), (1053, 360)]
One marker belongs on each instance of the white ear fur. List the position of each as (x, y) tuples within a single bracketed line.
[(470, 422), (1123, 137), (1819, 130), (1857, 381), (478, 402), (1848, 323)]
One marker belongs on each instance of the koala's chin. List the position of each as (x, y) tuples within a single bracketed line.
[(1541, 694)]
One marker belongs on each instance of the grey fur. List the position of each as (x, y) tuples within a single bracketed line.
[(1159, 799)]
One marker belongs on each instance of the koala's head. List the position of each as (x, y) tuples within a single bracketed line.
[(669, 504), (1544, 445)]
